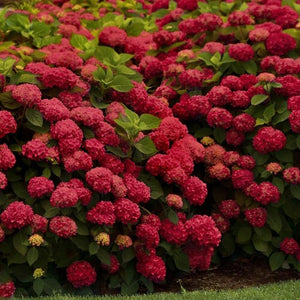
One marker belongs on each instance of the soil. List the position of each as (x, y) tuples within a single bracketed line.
[(244, 272)]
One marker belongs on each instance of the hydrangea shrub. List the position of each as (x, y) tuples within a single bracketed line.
[(139, 138)]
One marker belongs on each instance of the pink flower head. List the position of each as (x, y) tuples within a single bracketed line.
[(126, 211), (35, 150), (137, 191), (219, 117), (81, 273), (64, 197), (60, 77), (280, 43), (174, 200), (219, 95), (191, 78), (294, 120), (7, 289), (173, 233), (3, 181), (39, 224), (222, 223), (53, 110), (39, 186), (27, 94), (100, 179), (17, 215), (194, 190), (79, 160), (241, 178), (8, 123), (292, 175), (102, 213), (289, 246), (63, 226), (257, 217), (219, 171), (241, 52), (229, 209), (112, 36), (7, 158), (148, 234), (244, 122)]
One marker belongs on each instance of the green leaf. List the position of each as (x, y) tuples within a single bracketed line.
[(132, 116), (8, 102), (258, 99), (244, 235), (18, 239), (121, 83), (284, 155), (51, 286), (295, 191), (219, 135), (278, 118), (81, 242), (32, 256), (23, 77), (153, 183), (181, 260), (260, 158), (146, 146), (122, 69), (99, 74), (51, 212), (172, 216), (124, 57), (56, 170), (17, 22), (276, 260), (107, 55), (269, 112), (104, 256), (40, 29), (147, 283), (264, 233), (259, 244), (298, 141), (250, 67), (148, 122), (273, 219), (129, 289), (38, 286), (78, 41), (20, 190), (34, 117), (46, 172), (128, 254), (93, 248), (279, 183), (228, 245)]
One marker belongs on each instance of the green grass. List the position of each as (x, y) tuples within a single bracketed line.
[(289, 290)]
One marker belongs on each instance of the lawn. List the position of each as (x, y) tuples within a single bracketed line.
[(279, 291)]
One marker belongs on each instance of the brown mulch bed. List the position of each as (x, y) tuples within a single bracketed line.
[(244, 272)]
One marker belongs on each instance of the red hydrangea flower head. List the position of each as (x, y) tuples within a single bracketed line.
[(148, 234), (81, 273), (27, 94), (112, 162), (280, 43), (89, 116), (230, 158), (209, 21), (64, 197), (219, 117), (269, 62), (137, 191), (257, 217), (173, 233), (267, 193), (241, 178), (234, 137), (174, 200), (60, 77), (191, 78), (39, 224), (187, 5), (66, 129), (113, 36), (102, 214), (214, 154), (118, 188), (152, 220), (79, 160), (53, 110), (213, 47), (219, 95), (67, 59), (292, 175), (63, 226), (114, 265), (150, 67), (194, 190), (94, 148), (258, 35), (172, 128), (202, 231), (294, 103), (106, 134), (7, 289), (274, 168), (244, 122), (126, 211), (229, 209), (246, 162), (8, 123), (268, 140), (70, 100), (152, 267), (234, 83), (39, 186), (294, 119), (163, 38), (222, 223), (100, 179), (199, 258), (219, 171), (17, 215), (289, 246), (3, 181), (240, 18), (7, 158), (35, 150), (241, 52), (240, 99)]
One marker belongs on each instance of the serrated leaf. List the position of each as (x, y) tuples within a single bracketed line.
[(51, 212), (181, 261), (258, 99), (269, 112), (34, 117), (273, 219), (276, 260), (279, 183), (121, 83), (78, 41), (99, 74), (93, 248), (295, 191), (243, 235), (278, 118), (128, 254), (172, 216), (104, 256), (148, 122), (32, 256), (18, 239), (250, 67), (219, 135), (8, 102), (46, 172), (146, 146), (153, 183), (38, 286)]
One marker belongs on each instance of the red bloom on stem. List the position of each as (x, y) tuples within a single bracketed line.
[(194, 190), (39, 224), (81, 273), (53, 110), (241, 178), (257, 217), (137, 191), (199, 257), (148, 234), (35, 150), (173, 233), (64, 197), (39, 186), (126, 211), (7, 289), (100, 179), (292, 175), (219, 117), (8, 123), (17, 215), (27, 94), (280, 43), (289, 246), (241, 52), (3, 181), (63, 226), (102, 213), (229, 209)]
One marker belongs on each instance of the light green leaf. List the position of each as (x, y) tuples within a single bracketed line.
[(146, 146), (78, 41), (121, 83), (34, 117), (258, 99), (148, 122)]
